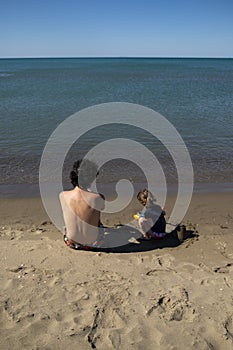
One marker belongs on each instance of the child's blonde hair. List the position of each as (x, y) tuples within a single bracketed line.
[(146, 198), (142, 196)]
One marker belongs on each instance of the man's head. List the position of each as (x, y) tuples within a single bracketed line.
[(83, 174)]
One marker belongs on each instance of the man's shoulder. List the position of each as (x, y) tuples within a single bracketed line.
[(64, 194)]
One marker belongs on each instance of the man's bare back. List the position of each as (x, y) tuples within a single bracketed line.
[(81, 212)]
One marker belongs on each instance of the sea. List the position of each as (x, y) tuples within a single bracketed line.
[(194, 94)]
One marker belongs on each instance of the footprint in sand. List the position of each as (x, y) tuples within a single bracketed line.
[(173, 305), (228, 325), (161, 264), (223, 269)]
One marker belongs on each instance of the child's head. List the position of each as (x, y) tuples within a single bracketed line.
[(142, 196), (146, 198)]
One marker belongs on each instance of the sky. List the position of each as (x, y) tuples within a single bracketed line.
[(116, 28)]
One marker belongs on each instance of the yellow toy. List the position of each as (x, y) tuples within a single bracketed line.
[(138, 215)]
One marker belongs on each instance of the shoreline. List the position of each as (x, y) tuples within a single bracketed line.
[(27, 190)]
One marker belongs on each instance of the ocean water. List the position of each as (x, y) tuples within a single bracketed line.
[(36, 95)]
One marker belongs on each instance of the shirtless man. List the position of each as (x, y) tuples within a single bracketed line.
[(81, 208)]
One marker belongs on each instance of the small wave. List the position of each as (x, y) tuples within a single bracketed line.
[(5, 75)]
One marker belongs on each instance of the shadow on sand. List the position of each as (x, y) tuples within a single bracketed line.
[(126, 239)]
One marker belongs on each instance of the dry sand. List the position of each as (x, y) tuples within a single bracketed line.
[(153, 295)]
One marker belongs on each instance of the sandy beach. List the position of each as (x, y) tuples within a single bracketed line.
[(152, 295)]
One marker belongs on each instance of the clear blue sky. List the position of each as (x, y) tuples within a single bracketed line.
[(60, 28)]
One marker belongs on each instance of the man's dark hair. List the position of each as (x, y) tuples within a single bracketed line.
[(84, 173)]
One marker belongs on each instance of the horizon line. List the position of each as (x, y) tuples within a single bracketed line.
[(122, 57)]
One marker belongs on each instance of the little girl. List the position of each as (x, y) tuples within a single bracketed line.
[(151, 220)]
